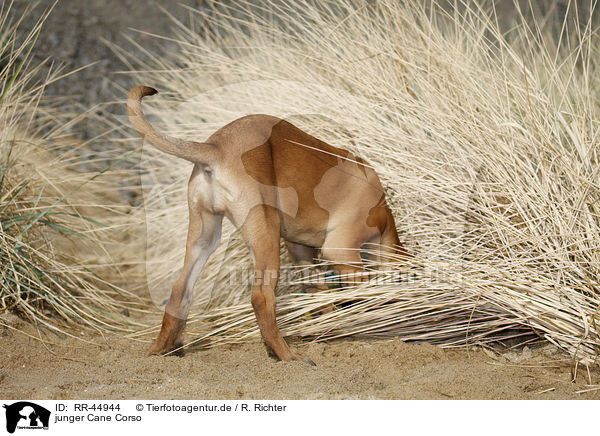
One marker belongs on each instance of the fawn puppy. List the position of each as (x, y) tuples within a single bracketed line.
[(271, 180)]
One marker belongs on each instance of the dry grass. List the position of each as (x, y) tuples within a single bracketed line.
[(487, 144), (54, 261)]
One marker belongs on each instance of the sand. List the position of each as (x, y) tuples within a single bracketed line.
[(118, 368), (112, 367)]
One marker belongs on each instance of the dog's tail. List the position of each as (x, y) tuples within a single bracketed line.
[(196, 152)]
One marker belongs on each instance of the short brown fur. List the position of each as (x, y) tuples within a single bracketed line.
[(271, 180)]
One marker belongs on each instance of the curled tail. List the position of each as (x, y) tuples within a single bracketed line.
[(196, 152)]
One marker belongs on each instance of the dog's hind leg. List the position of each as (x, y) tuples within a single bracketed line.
[(261, 230), (204, 233)]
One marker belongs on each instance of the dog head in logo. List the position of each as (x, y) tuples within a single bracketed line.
[(26, 414)]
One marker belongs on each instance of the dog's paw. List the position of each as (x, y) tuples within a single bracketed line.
[(310, 362), (161, 349), (301, 358)]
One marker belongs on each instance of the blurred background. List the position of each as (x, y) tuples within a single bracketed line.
[(77, 32)]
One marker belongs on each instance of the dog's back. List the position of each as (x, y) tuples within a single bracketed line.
[(271, 180), (323, 185)]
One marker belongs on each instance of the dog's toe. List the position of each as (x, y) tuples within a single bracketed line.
[(310, 362), (301, 358), (157, 349), (153, 350)]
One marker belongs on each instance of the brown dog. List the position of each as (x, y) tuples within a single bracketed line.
[(271, 180)]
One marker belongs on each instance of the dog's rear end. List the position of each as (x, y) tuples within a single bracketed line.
[(271, 180)]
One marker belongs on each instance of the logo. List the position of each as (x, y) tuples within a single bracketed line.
[(26, 415)]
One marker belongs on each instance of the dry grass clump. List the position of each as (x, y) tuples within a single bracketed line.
[(52, 243), (487, 144)]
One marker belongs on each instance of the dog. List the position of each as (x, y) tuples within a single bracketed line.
[(271, 180)]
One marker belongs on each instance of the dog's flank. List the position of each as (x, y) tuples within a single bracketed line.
[(271, 180)]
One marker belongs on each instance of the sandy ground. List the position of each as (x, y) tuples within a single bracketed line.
[(117, 368)]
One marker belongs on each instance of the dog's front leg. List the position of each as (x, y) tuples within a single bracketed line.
[(204, 233)]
